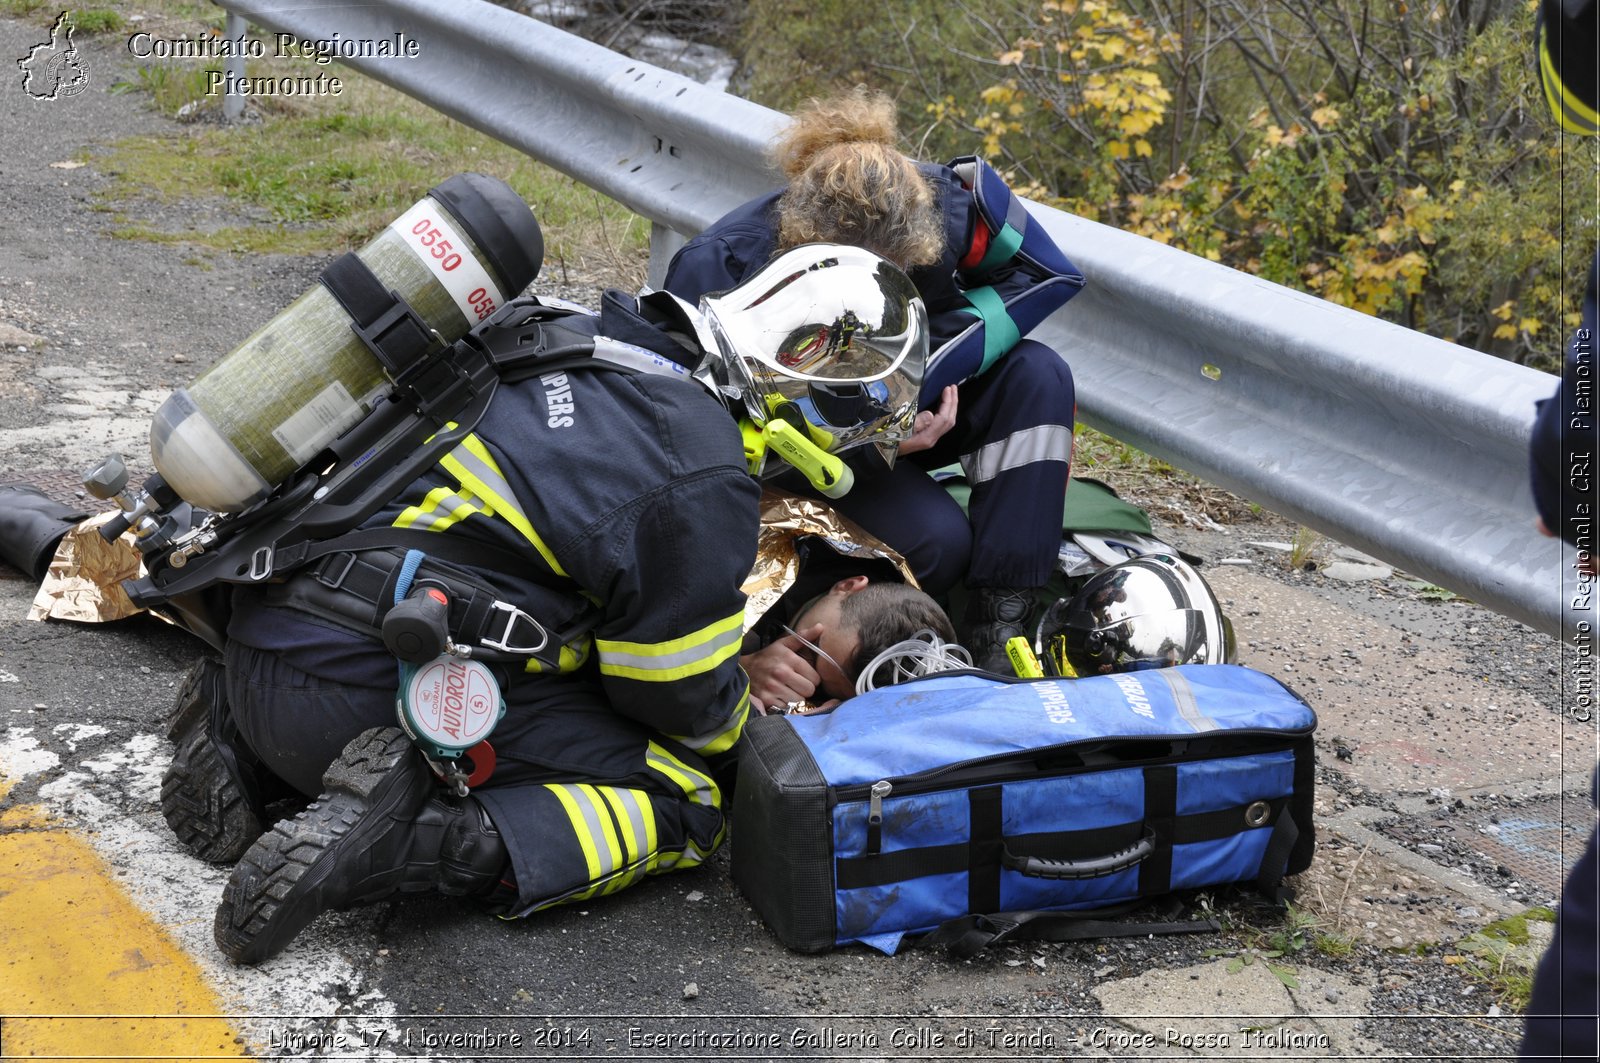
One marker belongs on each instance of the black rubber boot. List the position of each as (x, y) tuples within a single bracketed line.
[(382, 826), (995, 615), (212, 793)]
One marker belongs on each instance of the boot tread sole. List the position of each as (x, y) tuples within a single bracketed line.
[(257, 917), (201, 801)]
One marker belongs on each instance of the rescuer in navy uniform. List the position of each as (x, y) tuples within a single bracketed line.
[(612, 500), (1564, 1011), (1000, 404)]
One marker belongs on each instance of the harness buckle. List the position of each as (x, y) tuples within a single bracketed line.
[(503, 642), (261, 563)]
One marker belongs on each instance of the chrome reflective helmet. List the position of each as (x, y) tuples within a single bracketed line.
[(1152, 611), (832, 339)]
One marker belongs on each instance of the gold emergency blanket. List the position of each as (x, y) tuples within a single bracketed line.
[(85, 578), (785, 518)]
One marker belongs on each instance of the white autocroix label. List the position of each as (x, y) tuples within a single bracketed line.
[(430, 234)]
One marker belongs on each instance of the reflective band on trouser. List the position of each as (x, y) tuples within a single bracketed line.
[(1000, 333), (616, 830), (1045, 442), (1574, 115), (696, 786), (674, 659), (472, 464), (622, 838)]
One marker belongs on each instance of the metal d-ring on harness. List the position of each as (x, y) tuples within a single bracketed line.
[(503, 643)]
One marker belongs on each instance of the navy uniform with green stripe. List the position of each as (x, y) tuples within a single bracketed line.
[(1000, 275), (625, 494)]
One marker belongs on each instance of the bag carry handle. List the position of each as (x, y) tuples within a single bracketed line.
[(1090, 867)]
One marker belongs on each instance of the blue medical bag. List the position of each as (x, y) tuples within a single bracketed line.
[(963, 794)]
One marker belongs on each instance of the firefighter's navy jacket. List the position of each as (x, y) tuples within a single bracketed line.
[(625, 490)]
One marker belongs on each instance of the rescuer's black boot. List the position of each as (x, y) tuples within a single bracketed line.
[(382, 826), (995, 615), (214, 793)]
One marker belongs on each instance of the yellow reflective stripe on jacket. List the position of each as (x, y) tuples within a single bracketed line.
[(720, 741), (442, 507), (472, 464), (665, 662), (696, 785), (1574, 115)]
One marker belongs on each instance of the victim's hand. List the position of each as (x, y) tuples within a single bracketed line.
[(780, 673)]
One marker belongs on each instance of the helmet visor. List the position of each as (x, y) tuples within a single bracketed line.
[(834, 330)]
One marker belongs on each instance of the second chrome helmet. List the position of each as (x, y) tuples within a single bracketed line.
[(1151, 611)]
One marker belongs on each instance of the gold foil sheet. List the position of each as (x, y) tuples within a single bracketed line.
[(784, 518), (85, 578)]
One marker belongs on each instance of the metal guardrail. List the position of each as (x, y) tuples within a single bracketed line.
[(1407, 447)]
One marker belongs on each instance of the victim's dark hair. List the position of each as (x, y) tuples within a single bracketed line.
[(883, 614)]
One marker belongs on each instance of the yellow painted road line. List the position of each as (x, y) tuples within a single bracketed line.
[(78, 949)]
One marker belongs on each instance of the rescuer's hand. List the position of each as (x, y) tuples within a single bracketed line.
[(931, 425)]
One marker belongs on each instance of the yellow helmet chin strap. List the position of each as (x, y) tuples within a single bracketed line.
[(825, 472)]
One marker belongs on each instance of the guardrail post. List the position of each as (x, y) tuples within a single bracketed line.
[(233, 67), (664, 243)]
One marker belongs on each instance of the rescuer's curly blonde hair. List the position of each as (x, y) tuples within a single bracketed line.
[(849, 185)]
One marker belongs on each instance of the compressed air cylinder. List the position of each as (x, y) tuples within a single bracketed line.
[(263, 411)]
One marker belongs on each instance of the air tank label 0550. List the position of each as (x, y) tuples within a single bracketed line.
[(431, 236)]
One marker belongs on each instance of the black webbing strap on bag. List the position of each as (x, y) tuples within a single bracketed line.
[(969, 935), (1275, 861)]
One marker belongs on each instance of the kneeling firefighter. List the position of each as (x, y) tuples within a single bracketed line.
[(566, 573)]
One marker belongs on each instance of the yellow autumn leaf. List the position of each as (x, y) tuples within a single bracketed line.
[(1505, 332), (1011, 58), (1141, 147), (1118, 149), (1325, 117), (1530, 325), (1503, 311)]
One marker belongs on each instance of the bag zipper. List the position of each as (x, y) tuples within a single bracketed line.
[(928, 781)]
